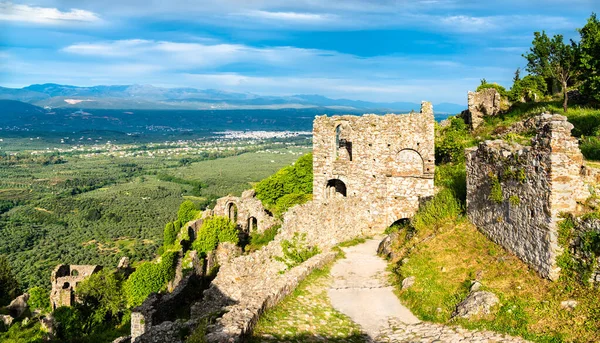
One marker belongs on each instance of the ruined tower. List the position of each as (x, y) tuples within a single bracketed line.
[(385, 161)]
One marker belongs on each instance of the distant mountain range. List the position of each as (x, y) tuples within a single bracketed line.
[(147, 97)]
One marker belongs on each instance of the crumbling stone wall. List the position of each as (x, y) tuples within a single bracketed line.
[(481, 104), (246, 211), (387, 162), (516, 193), (65, 279)]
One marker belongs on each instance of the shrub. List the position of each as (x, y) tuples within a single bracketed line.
[(169, 234), (258, 240), (590, 148), (39, 299), (297, 179), (496, 86), (214, 230), (528, 89), (496, 194), (296, 251), (451, 141), (9, 286), (187, 212), (150, 278), (290, 200), (443, 206), (70, 323), (102, 292)]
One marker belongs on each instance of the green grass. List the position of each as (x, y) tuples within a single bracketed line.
[(306, 315)]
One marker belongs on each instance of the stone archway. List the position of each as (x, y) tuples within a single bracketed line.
[(232, 212), (252, 224), (336, 188)]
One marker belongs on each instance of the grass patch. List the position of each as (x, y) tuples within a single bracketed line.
[(259, 240), (306, 315)]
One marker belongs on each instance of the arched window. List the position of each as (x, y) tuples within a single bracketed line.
[(343, 142), (252, 224), (232, 212), (335, 188)]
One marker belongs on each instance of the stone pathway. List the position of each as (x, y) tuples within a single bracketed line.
[(361, 290)]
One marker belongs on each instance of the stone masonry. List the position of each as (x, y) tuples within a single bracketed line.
[(65, 279), (386, 162), (482, 104), (515, 194), (246, 211)]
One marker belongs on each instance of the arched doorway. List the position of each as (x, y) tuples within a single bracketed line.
[(232, 212), (252, 224), (336, 188)]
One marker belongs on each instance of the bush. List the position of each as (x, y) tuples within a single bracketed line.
[(187, 212), (528, 89), (496, 86), (296, 251), (437, 211), (169, 234), (590, 148), (295, 179), (214, 230), (150, 278), (9, 286), (451, 141), (258, 240), (70, 323), (103, 294), (39, 299), (290, 200)]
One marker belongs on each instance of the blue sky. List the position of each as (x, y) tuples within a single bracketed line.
[(373, 50)]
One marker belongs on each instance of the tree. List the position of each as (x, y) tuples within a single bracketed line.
[(9, 286), (517, 77), (554, 59), (102, 293), (589, 58), (169, 234), (187, 212), (39, 298)]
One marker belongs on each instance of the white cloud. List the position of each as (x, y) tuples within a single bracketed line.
[(288, 16), (44, 15)]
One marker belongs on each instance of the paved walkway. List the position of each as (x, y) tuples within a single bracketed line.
[(361, 290)]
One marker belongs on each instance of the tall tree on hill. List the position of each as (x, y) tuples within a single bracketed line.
[(589, 58), (552, 58)]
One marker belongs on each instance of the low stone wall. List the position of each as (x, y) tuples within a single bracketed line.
[(586, 227), (515, 194), (249, 284), (484, 103)]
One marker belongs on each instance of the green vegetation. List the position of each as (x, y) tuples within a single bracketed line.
[(485, 85), (259, 240), (296, 251), (187, 212), (306, 315), (39, 299), (451, 141), (496, 194), (9, 286), (589, 64), (150, 278), (289, 186), (213, 231)]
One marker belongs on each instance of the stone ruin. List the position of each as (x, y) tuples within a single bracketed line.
[(246, 211), (369, 172), (516, 194), (385, 162), (65, 279), (484, 103)]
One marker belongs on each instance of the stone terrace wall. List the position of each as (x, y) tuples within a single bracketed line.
[(387, 162), (536, 184), (247, 207)]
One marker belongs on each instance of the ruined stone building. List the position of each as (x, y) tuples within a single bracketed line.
[(65, 279), (516, 194), (246, 211), (386, 162)]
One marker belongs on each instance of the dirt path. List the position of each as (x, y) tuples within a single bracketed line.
[(361, 290)]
